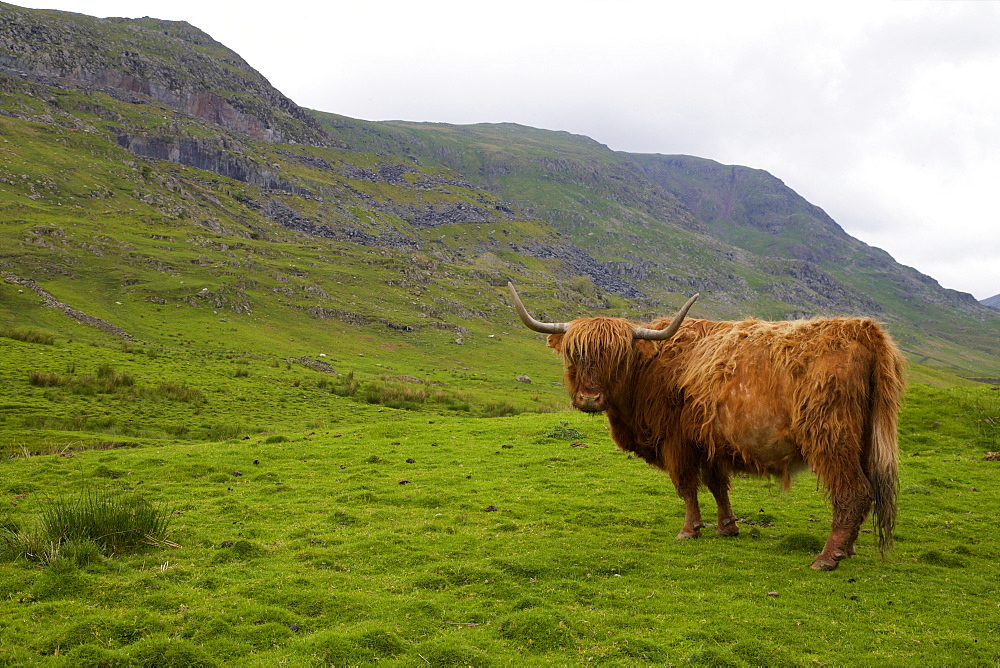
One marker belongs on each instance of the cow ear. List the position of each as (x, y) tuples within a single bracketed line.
[(555, 342)]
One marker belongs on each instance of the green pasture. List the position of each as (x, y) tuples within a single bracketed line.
[(307, 527)]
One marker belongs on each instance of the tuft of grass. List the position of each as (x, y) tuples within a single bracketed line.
[(564, 432), (111, 379), (82, 553), (405, 394), (984, 409), (346, 386), (225, 431), (70, 423), (106, 381), (178, 392), (28, 335), (801, 542), (115, 523), (395, 396), (500, 409), (44, 379), (18, 543)]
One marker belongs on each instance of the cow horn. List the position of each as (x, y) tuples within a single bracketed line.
[(664, 334), (531, 323)]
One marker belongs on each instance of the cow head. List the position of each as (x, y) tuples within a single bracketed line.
[(597, 353)]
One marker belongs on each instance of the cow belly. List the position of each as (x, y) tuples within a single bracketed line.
[(760, 436)]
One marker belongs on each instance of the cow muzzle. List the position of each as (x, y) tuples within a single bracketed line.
[(589, 402)]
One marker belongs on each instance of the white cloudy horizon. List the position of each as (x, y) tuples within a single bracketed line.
[(882, 114)]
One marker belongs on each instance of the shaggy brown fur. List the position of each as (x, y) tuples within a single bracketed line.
[(763, 397)]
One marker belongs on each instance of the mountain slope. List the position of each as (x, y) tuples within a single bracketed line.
[(678, 224), (755, 211), (128, 199), (596, 197)]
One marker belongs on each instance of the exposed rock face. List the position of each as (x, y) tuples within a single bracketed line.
[(581, 264), (445, 215), (165, 61), (205, 154), (315, 365), (731, 199), (815, 287)]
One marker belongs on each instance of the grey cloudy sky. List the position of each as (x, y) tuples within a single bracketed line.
[(885, 114)]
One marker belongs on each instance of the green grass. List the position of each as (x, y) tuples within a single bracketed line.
[(78, 394), (402, 537)]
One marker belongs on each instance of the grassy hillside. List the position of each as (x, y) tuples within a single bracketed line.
[(190, 264), (676, 224)]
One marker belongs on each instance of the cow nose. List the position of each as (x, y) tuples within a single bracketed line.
[(591, 403)]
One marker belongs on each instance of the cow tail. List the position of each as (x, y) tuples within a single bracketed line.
[(888, 382)]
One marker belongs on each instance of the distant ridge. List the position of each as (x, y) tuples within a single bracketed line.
[(992, 302)]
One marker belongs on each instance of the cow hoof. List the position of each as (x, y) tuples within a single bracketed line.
[(824, 565), (688, 534), (727, 528)]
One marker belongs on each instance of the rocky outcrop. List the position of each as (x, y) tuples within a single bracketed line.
[(432, 216), (580, 264), (292, 219), (205, 154), (815, 287), (152, 60), (315, 365), (359, 320)]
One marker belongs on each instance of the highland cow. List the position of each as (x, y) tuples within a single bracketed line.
[(703, 399)]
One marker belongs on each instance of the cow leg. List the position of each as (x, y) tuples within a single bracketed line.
[(718, 484), (849, 544), (686, 482), (692, 514), (852, 501)]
